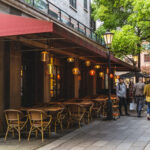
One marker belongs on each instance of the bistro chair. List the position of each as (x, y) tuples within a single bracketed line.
[(58, 117), (39, 121), (88, 113), (97, 108), (14, 119), (76, 113)]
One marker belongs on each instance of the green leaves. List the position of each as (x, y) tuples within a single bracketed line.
[(131, 16), (125, 42)]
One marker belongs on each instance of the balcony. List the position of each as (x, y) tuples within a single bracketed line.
[(56, 13)]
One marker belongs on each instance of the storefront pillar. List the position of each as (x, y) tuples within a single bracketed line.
[(2, 105), (94, 84), (76, 86), (46, 85), (15, 75)]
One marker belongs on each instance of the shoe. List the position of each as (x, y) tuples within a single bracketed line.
[(148, 118), (138, 116)]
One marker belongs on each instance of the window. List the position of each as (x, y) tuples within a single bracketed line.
[(85, 4), (73, 3), (146, 57)]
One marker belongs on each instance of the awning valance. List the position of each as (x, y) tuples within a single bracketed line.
[(15, 25)]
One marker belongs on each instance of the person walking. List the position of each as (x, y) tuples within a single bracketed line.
[(147, 94), (121, 91), (138, 91)]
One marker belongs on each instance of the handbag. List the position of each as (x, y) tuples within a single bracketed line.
[(132, 106)]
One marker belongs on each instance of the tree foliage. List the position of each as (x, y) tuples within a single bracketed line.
[(133, 18), (125, 42)]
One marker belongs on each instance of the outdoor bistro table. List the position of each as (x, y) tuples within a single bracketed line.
[(52, 110), (56, 114), (84, 103)]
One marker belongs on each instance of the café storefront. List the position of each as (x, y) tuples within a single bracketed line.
[(42, 61)]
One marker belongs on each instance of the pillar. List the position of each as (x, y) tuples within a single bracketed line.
[(94, 84), (15, 75), (46, 85), (1, 78), (76, 86)]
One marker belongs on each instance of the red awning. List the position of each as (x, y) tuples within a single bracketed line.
[(16, 25)]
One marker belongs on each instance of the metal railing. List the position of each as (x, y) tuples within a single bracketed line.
[(63, 17)]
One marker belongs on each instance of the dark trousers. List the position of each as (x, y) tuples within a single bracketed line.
[(140, 103), (123, 101), (148, 108)]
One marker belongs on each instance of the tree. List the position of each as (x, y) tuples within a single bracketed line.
[(133, 19), (125, 42)]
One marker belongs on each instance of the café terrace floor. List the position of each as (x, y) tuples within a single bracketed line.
[(126, 133)]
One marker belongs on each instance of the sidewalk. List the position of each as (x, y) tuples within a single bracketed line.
[(127, 133)]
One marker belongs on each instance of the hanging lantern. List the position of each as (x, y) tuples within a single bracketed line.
[(92, 72), (50, 69), (70, 59), (87, 63), (111, 75), (21, 71), (75, 71), (101, 74), (44, 56), (97, 66), (58, 76), (118, 77)]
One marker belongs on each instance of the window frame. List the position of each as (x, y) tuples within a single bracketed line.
[(146, 57), (85, 4), (73, 4)]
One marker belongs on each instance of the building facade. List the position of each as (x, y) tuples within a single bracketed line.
[(145, 57), (28, 31)]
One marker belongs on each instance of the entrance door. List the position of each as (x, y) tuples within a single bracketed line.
[(32, 79)]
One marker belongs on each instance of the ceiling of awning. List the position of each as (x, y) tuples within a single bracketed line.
[(39, 35)]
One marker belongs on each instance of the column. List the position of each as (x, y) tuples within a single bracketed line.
[(15, 74), (1, 80), (94, 84)]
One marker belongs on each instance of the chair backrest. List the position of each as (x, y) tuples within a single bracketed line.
[(13, 114), (76, 109), (37, 115)]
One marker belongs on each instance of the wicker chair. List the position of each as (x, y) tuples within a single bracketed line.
[(97, 109), (76, 113), (39, 121), (14, 119)]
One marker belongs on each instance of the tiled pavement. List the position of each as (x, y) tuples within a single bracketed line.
[(127, 133)]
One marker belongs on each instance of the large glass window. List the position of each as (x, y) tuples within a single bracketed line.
[(73, 3), (85, 4)]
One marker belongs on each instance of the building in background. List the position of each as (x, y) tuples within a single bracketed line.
[(145, 57)]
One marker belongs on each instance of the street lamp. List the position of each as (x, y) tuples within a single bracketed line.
[(108, 36)]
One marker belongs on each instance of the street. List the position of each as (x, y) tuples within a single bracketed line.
[(127, 133)]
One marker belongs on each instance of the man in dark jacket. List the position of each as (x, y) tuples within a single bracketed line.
[(121, 92), (138, 91)]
